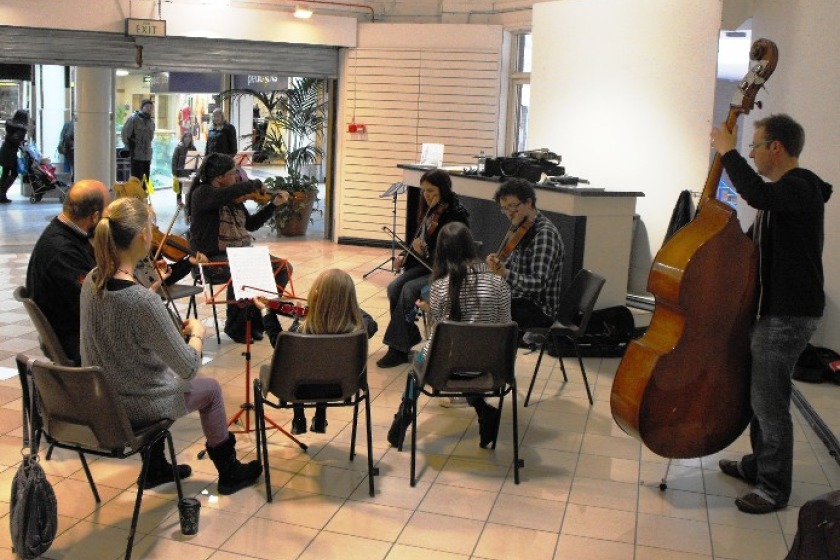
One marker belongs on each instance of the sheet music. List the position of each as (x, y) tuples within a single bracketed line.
[(193, 160), (251, 266)]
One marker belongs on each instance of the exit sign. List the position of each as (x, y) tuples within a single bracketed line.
[(145, 27)]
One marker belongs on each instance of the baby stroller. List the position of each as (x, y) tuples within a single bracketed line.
[(40, 174)]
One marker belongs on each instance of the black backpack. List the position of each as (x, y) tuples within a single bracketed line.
[(817, 364), (33, 515), (818, 529)]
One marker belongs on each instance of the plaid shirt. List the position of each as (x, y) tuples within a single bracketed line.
[(535, 268)]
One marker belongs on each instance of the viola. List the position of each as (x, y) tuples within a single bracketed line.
[(514, 235), (173, 247)]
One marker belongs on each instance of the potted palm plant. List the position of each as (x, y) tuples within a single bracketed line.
[(297, 117)]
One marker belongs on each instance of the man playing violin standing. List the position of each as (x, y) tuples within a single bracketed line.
[(219, 219), (533, 266), (439, 206), (62, 258)]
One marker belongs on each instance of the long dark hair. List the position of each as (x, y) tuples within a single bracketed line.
[(454, 252), (214, 165), (440, 179)]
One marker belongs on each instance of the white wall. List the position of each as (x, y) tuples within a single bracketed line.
[(625, 95), (252, 23), (805, 85)]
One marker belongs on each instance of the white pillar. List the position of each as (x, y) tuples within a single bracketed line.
[(94, 125), (51, 81)]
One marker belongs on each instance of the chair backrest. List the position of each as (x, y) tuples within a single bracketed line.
[(310, 367), (79, 406), (49, 340), (471, 357), (578, 301)]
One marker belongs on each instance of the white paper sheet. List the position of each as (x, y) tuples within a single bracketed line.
[(431, 154), (251, 266)]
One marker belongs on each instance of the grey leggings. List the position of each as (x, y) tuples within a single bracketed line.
[(205, 396)]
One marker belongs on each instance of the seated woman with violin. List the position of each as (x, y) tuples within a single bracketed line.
[(332, 309), (219, 219), (150, 360), (438, 207), (178, 260)]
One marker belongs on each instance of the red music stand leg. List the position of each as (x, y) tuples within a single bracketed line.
[(247, 407)]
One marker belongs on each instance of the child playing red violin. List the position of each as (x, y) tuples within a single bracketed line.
[(333, 309)]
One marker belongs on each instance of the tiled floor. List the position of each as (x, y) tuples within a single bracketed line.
[(588, 491)]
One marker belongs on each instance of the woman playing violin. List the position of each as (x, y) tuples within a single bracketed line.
[(438, 207), (219, 219)]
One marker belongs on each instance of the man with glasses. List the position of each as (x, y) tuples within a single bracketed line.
[(533, 270), (788, 231)]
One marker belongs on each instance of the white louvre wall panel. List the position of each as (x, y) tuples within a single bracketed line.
[(426, 93)]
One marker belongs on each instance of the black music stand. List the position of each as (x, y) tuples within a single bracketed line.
[(393, 191)]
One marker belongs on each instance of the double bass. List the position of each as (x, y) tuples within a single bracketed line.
[(684, 388)]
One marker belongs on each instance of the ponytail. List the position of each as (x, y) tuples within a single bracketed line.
[(124, 219)]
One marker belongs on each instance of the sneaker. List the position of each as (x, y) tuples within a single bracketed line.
[(392, 358), (753, 503), (453, 402)]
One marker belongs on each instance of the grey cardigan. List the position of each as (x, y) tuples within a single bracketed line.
[(130, 335)]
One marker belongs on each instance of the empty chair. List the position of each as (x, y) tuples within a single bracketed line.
[(308, 369), (81, 411), (576, 305), (467, 360)]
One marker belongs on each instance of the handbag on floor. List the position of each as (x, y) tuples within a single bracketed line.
[(33, 515)]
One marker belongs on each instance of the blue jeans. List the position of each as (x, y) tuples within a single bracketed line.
[(775, 345), (403, 291)]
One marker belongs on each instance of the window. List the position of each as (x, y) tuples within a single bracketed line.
[(520, 93)]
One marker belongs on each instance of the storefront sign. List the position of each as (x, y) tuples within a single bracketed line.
[(145, 27), (261, 82), (186, 82)]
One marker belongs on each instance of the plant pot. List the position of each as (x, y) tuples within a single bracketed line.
[(299, 222)]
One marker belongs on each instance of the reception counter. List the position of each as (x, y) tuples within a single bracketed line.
[(596, 225)]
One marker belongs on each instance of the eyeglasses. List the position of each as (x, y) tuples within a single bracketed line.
[(762, 143), (511, 208)]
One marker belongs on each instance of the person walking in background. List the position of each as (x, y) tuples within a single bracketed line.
[(16, 129), (137, 134), (221, 137), (67, 147), (179, 160), (789, 233), (333, 309)]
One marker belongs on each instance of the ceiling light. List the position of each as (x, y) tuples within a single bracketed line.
[(302, 12), (121, 72)]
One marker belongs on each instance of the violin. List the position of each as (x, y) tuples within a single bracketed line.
[(266, 197), (512, 238), (173, 247), (287, 308)]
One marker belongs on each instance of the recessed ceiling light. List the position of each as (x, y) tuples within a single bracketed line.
[(302, 12)]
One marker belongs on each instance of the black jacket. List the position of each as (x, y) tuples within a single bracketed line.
[(789, 235), (221, 141)]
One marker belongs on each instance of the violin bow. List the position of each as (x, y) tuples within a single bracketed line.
[(406, 248), (170, 303)]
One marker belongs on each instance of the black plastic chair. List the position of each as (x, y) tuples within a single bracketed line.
[(576, 306), (50, 344), (310, 369), (467, 360), (80, 411)]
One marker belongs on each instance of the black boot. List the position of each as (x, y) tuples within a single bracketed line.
[(233, 475), (319, 421), (488, 423), (396, 433), (160, 470), (392, 358), (298, 421)]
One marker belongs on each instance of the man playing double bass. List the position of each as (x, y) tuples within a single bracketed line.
[(533, 267), (788, 231)]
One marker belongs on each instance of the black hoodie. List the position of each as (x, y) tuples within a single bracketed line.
[(789, 235)]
